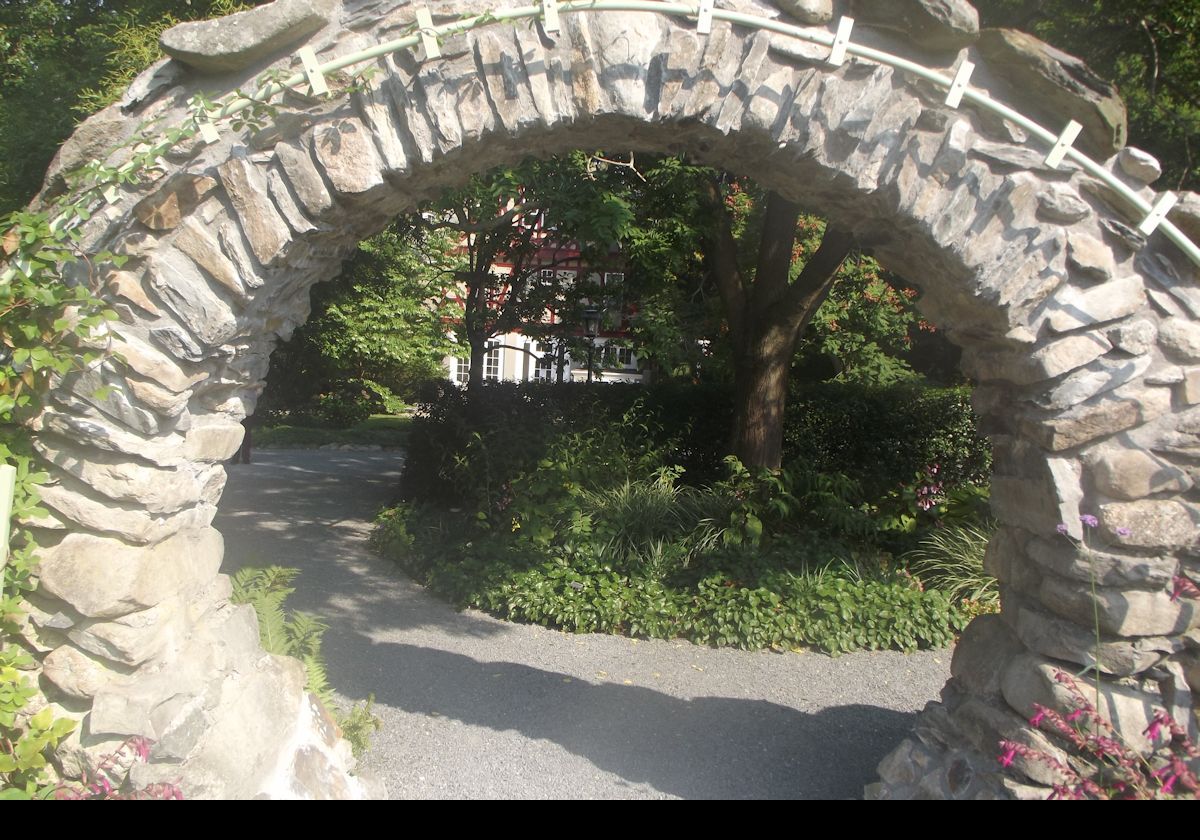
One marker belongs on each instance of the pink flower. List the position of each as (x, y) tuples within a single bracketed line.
[(1062, 528), (1089, 521), (1181, 586), (1171, 777), (1008, 755), (1123, 532)]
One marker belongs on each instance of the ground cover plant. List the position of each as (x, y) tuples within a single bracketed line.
[(612, 510)]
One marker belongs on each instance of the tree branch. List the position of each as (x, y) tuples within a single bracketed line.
[(774, 254), (811, 288)]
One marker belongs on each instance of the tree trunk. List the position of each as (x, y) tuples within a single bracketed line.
[(478, 355), (767, 314), (760, 394)]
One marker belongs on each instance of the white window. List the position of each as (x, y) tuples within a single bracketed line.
[(491, 363), (613, 279), (625, 358), (462, 371), (543, 370)]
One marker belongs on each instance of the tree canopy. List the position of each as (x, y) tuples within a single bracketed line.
[(375, 332), (1150, 49)]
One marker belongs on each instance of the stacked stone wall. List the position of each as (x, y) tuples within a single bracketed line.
[(1083, 336)]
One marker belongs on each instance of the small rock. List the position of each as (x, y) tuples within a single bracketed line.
[(1186, 215), (807, 11), (1125, 235), (1134, 338), (166, 207), (1119, 612), (1072, 307), (1180, 338), (1089, 258), (1057, 87), (1148, 524), (1061, 557), (1139, 165), (76, 674), (1133, 474), (266, 231), (1058, 204)]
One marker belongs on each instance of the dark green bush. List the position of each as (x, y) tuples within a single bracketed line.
[(879, 437), (610, 509), (508, 428), (882, 436)]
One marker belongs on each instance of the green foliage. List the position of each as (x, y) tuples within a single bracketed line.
[(386, 431), (466, 457), (62, 59), (721, 595), (910, 428), (1149, 48), (298, 634), (951, 559), (50, 322), (375, 333), (586, 520), (25, 739), (865, 325)]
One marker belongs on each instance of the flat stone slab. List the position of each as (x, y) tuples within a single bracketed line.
[(244, 38)]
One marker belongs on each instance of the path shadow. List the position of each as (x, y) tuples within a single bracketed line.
[(707, 747)]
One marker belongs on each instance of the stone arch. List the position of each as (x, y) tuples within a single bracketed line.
[(1084, 338)]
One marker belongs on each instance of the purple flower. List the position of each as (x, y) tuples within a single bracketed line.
[(1062, 528), (1123, 532), (1089, 520)]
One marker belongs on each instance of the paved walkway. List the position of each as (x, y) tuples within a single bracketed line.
[(475, 707)]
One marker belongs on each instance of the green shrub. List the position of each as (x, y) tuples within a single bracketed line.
[(907, 428), (298, 634), (667, 582), (951, 558), (610, 509), (462, 443)]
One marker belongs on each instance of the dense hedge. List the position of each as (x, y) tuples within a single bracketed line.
[(909, 427), (882, 436)]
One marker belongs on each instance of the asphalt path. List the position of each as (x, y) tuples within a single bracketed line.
[(474, 707)]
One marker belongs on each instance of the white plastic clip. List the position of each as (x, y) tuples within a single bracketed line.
[(550, 15), (208, 131), (704, 15), (428, 39), (837, 55), (961, 79), (1161, 208), (1056, 155), (312, 69)]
